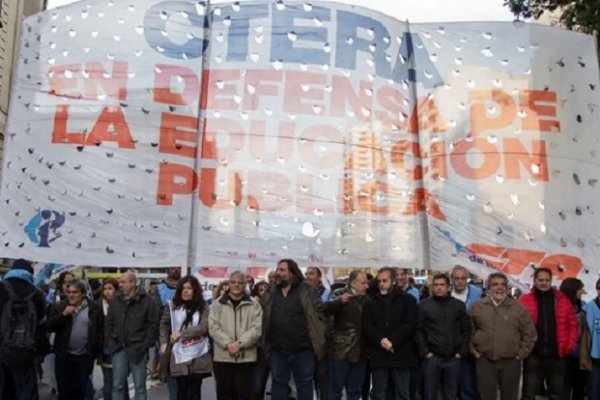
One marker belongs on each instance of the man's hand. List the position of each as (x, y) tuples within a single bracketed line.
[(233, 348), (175, 336), (429, 355), (387, 345), (344, 298), (476, 354), (69, 310), (457, 355)]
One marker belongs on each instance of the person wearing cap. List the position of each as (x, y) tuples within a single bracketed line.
[(19, 382)]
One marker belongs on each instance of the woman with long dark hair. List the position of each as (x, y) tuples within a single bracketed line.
[(184, 324), (575, 377), (109, 286)]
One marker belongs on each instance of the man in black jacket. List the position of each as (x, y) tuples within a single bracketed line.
[(130, 329), (19, 382), (77, 322), (293, 331), (443, 334), (390, 319)]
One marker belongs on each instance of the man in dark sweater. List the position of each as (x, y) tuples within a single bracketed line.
[(294, 331), (443, 335)]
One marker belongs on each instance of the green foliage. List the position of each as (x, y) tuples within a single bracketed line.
[(579, 15)]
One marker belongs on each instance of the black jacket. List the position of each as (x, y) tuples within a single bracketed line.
[(131, 324), (394, 317), (346, 338), (22, 289), (312, 307), (62, 325), (443, 327)]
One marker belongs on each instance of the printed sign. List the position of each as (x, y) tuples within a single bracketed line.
[(158, 133)]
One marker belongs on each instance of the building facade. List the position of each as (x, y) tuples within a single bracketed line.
[(12, 13)]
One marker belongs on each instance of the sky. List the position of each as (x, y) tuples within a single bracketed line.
[(419, 10)]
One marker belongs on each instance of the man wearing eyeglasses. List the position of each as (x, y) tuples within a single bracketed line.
[(235, 324), (502, 334)]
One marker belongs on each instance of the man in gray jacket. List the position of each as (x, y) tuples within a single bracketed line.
[(235, 324), (130, 329), (502, 335)]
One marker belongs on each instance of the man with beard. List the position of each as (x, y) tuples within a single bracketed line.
[(502, 334), (294, 331), (389, 321)]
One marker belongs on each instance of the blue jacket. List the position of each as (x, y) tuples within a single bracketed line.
[(592, 315), (474, 293)]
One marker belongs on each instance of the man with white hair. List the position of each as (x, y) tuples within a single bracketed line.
[(467, 293), (235, 324)]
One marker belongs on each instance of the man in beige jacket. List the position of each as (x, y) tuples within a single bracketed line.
[(502, 336), (235, 324)]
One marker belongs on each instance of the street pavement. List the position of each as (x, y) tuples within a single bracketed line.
[(155, 392)]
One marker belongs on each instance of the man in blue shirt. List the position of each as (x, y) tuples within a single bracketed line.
[(592, 316), (468, 294)]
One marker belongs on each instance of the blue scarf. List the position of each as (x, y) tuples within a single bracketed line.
[(20, 274)]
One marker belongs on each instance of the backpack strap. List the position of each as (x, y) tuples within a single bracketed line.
[(9, 290), (13, 296)]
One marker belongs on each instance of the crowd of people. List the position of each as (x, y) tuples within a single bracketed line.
[(374, 337)]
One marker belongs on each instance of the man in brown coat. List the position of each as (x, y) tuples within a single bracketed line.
[(502, 336)]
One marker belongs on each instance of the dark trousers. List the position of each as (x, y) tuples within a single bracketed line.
[(439, 372), (594, 380), (322, 379), (346, 375), (189, 387), (18, 383), (501, 374), (366, 385), (72, 375), (301, 365), (233, 380), (399, 376), (575, 379), (467, 386), (536, 370)]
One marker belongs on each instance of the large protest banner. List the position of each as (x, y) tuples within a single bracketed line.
[(156, 133)]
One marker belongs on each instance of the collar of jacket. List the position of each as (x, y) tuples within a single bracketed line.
[(225, 299), (507, 301), (92, 305), (395, 292), (537, 292), (137, 297)]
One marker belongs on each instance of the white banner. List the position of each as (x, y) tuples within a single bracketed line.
[(157, 133)]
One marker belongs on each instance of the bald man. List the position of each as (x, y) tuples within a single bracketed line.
[(130, 329)]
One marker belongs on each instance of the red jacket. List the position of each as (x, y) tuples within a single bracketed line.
[(566, 322)]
